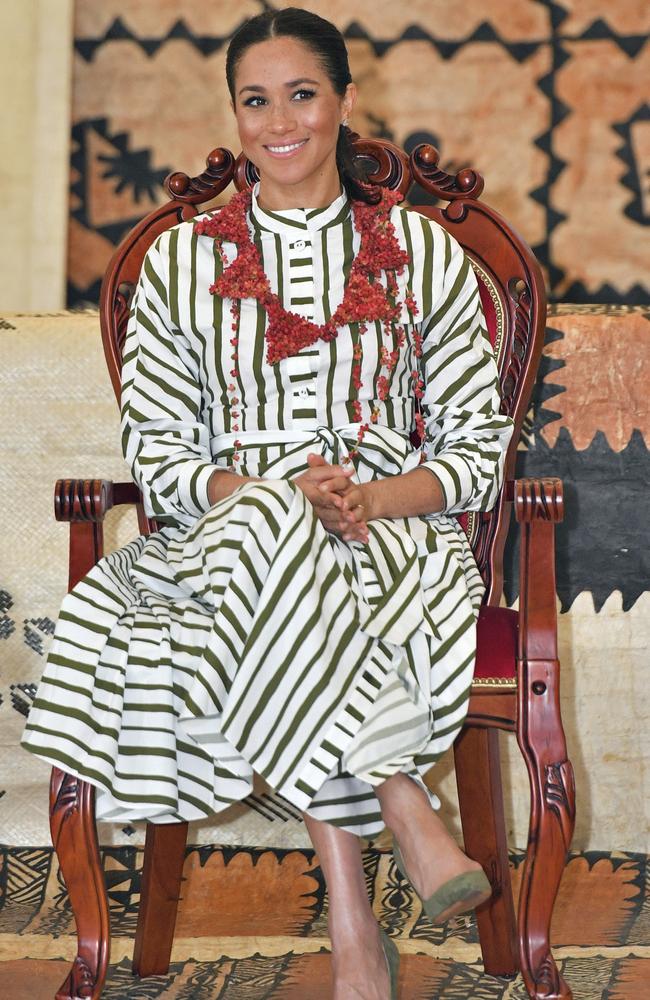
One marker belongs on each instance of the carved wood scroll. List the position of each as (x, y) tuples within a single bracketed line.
[(82, 499), (424, 163), (219, 166), (560, 795), (539, 500)]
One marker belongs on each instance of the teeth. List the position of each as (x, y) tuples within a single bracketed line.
[(285, 149)]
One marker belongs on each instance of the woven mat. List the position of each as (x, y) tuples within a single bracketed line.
[(252, 925)]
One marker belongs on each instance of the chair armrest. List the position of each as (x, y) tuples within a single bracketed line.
[(90, 499), (84, 503), (538, 500), (539, 506)]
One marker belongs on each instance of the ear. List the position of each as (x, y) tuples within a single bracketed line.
[(349, 99)]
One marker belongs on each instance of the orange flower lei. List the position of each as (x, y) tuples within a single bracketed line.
[(365, 299)]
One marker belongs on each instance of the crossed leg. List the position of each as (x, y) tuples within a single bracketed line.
[(431, 857)]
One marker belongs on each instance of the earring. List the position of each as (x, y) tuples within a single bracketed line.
[(345, 122)]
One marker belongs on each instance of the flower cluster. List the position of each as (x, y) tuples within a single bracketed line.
[(365, 298)]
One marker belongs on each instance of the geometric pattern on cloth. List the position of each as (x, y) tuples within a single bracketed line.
[(548, 100), (267, 937)]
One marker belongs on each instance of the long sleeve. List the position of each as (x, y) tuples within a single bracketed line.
[(466, 436), (164, 439)]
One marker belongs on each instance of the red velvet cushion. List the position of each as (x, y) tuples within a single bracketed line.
[(496, 649)]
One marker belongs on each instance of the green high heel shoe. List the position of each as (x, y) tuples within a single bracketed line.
[(392, 961), (458, 895)]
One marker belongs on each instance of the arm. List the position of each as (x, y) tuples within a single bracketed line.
[(164, 438), (465, 435)]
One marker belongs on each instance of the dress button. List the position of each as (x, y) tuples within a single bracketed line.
[(300, 245), (303, 393)]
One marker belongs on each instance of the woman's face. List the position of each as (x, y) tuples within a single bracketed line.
[(288, 116)]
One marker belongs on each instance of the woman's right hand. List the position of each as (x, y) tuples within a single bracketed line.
[(328, 505)]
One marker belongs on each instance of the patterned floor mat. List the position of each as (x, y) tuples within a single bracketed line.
[(252, 925)]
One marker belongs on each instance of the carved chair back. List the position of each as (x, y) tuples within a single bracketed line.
[(510, 284)]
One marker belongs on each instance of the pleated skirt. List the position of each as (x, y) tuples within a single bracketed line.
[(255, 641)]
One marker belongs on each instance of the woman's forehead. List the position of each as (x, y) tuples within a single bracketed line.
[(280, 61)]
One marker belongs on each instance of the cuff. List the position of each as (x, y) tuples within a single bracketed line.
[(193, 482), (455, 478)]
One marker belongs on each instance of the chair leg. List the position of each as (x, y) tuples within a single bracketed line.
[(164, 854), (480, 796), (552, 819), (74, 835)]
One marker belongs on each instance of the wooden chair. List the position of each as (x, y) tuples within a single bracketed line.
[(517, 674)]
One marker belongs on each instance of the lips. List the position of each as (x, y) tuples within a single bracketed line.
[(285, 150)]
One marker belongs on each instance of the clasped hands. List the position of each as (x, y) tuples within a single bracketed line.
[(341, 506)]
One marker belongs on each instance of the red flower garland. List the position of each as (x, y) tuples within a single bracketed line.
[(365, 299)]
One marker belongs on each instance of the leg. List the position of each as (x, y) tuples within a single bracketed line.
[(430, 854), (480, 797), (164, 854), (358, 962), (552, 818), (74, 835)]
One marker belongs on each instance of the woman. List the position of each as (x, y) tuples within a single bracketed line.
[(308, 609)]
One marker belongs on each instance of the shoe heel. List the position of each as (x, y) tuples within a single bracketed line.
[(457, 896)]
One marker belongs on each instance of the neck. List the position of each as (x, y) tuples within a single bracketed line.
[(315, 193)]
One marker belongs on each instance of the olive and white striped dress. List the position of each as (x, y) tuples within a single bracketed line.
[(244, 637)]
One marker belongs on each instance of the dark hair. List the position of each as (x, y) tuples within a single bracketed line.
[(326, 42)]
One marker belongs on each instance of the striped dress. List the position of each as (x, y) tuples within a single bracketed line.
[(243, 637)]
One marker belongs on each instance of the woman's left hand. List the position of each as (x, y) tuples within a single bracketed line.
[(351, 499)]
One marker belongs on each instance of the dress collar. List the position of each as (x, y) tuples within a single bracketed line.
[(291, 221)]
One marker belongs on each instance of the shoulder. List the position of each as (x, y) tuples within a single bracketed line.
[(178, 247), (176, 237), (427, 242)]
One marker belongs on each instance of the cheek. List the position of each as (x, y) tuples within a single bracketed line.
[(248, 128), (322, 120)]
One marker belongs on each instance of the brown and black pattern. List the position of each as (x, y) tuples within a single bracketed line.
[(252, 926), (590, 425), (547, 99)]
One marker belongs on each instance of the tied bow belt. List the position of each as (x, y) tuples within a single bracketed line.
[(391, 601)]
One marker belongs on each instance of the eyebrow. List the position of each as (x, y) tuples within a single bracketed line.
[(291, 83)]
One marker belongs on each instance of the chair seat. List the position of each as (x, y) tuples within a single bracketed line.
[(496, 650)]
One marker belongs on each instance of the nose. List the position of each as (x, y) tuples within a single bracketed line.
[(281, 119)]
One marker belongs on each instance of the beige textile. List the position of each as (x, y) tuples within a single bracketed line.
[(35, 80)]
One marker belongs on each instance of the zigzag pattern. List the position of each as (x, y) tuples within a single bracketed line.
[(601, 543), (555, 41), (558, 112), (207, 44), (599, 29), (543, 391), (634, 208)]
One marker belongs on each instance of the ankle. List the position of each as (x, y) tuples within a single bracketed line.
[(347, 925), (405, 811)]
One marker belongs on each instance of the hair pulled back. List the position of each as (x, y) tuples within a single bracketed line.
[(327, 43)]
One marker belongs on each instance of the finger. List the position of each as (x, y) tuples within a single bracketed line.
[(321, 473), (353, 521), (351, 497), (355, 536), (335, 484), (314, 460), (356, 514)]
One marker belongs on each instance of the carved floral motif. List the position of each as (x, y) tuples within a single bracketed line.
[(559, 792)]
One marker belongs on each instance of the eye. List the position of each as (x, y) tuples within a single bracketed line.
[(249, 101), (307, 93)]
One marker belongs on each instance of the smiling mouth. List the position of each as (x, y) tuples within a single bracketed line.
[(285, 149)]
